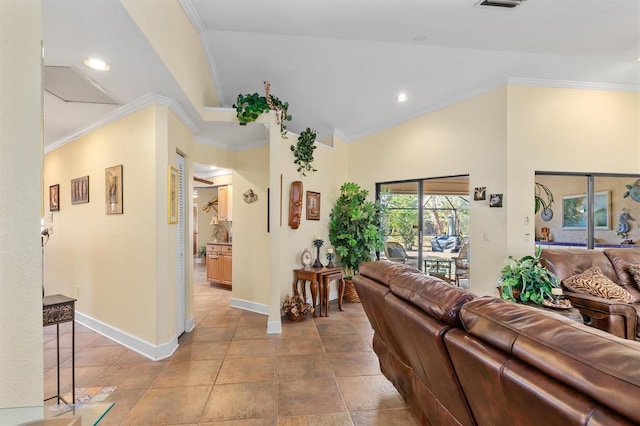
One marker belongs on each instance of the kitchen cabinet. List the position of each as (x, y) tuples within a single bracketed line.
[(219, 263), (225, 206)]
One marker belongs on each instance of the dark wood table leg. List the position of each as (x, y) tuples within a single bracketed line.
[(314, 295), (325, 298), (295, 283), (340, 293)]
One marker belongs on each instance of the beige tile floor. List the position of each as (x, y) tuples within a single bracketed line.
[(228, 371)]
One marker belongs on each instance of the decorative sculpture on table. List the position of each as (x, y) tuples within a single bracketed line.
[(330, 257), (317, 242), (545, 233)]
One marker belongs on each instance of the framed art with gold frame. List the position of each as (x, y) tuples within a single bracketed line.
[(54, 198), (313, 205), (172, 195), (113, 190)]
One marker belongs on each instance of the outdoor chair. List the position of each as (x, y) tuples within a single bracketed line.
[(396, 253)]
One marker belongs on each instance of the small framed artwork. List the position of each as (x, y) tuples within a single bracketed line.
[(480, 193), (80, 190), (113, 190), (313, 205), (495, 200), (172, 195), (54, 198)]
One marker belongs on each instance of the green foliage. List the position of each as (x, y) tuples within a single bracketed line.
[(401, 216), (303, 151), (249, 107), (353, 228), (202, 251), (529, 277)]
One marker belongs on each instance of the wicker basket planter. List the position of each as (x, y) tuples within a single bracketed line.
[(350, 293)]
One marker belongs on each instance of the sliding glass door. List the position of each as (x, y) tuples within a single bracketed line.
[(427, 220)]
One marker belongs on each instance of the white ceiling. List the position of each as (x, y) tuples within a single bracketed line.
[(339, 63)]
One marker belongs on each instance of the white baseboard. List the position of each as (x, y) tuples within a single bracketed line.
[(258, 308), (274, 327), (153, 352), (190, 324)]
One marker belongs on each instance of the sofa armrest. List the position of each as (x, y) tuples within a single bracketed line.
[(612, 316)]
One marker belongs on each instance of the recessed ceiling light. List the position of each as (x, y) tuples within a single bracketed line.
[(401, 97), (97, 64)]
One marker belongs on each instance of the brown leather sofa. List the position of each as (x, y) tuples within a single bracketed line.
[(459, 359), (618, 318)]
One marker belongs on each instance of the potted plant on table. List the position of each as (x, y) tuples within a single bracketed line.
[(526, 280), (354, 232)]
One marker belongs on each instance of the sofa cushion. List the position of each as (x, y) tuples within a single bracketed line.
[(434, 296), (592, 281), (621, 259)]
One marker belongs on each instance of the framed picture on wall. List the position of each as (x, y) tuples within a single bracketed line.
[(80, 190), (480, 193), (313, 205), (495, 200), (113, 190), (54, 198), (574, 211), (172, 195)]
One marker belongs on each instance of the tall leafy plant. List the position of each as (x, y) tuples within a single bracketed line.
[(353, 228)]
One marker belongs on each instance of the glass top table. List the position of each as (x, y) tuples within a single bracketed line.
[(55, 415)]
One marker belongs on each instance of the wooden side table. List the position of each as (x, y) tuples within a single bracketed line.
[(56, 310), (319, 276), (304, 275), (325, 276)]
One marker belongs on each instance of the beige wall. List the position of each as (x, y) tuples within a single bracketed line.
[(572, 130), (500, 139), (465, 138), (21, 187), (121, 268)]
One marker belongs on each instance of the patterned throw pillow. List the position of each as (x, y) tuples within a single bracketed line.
[(634, 270), (594, 282)]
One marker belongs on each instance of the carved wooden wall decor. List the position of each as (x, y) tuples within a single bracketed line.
[(295, 204)]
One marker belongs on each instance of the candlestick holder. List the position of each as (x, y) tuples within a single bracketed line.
[(318, 243), (330, 259)]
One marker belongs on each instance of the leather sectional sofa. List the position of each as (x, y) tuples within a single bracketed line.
[(615, 317), (458, 359)]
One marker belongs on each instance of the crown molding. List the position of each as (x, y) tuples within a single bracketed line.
[(567, 84), (125, 110)]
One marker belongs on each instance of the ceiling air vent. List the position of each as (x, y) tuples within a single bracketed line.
[(500, 3)]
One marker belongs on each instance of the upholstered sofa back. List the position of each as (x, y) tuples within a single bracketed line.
[(553, 370), (462, 359), (410, 313)]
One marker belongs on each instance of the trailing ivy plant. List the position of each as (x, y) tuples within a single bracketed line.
[(303, 151), (528, 278), (249, 107)]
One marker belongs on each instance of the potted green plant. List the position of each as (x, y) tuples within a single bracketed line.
[(526, 280), (248, 107), (303, 151), (354, 231), (202, 253)]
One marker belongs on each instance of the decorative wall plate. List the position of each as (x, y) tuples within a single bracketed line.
[(306, 258), (546, 214)]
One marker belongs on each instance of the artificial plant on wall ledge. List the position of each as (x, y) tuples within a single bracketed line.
[(303, 151), (248, 107)]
